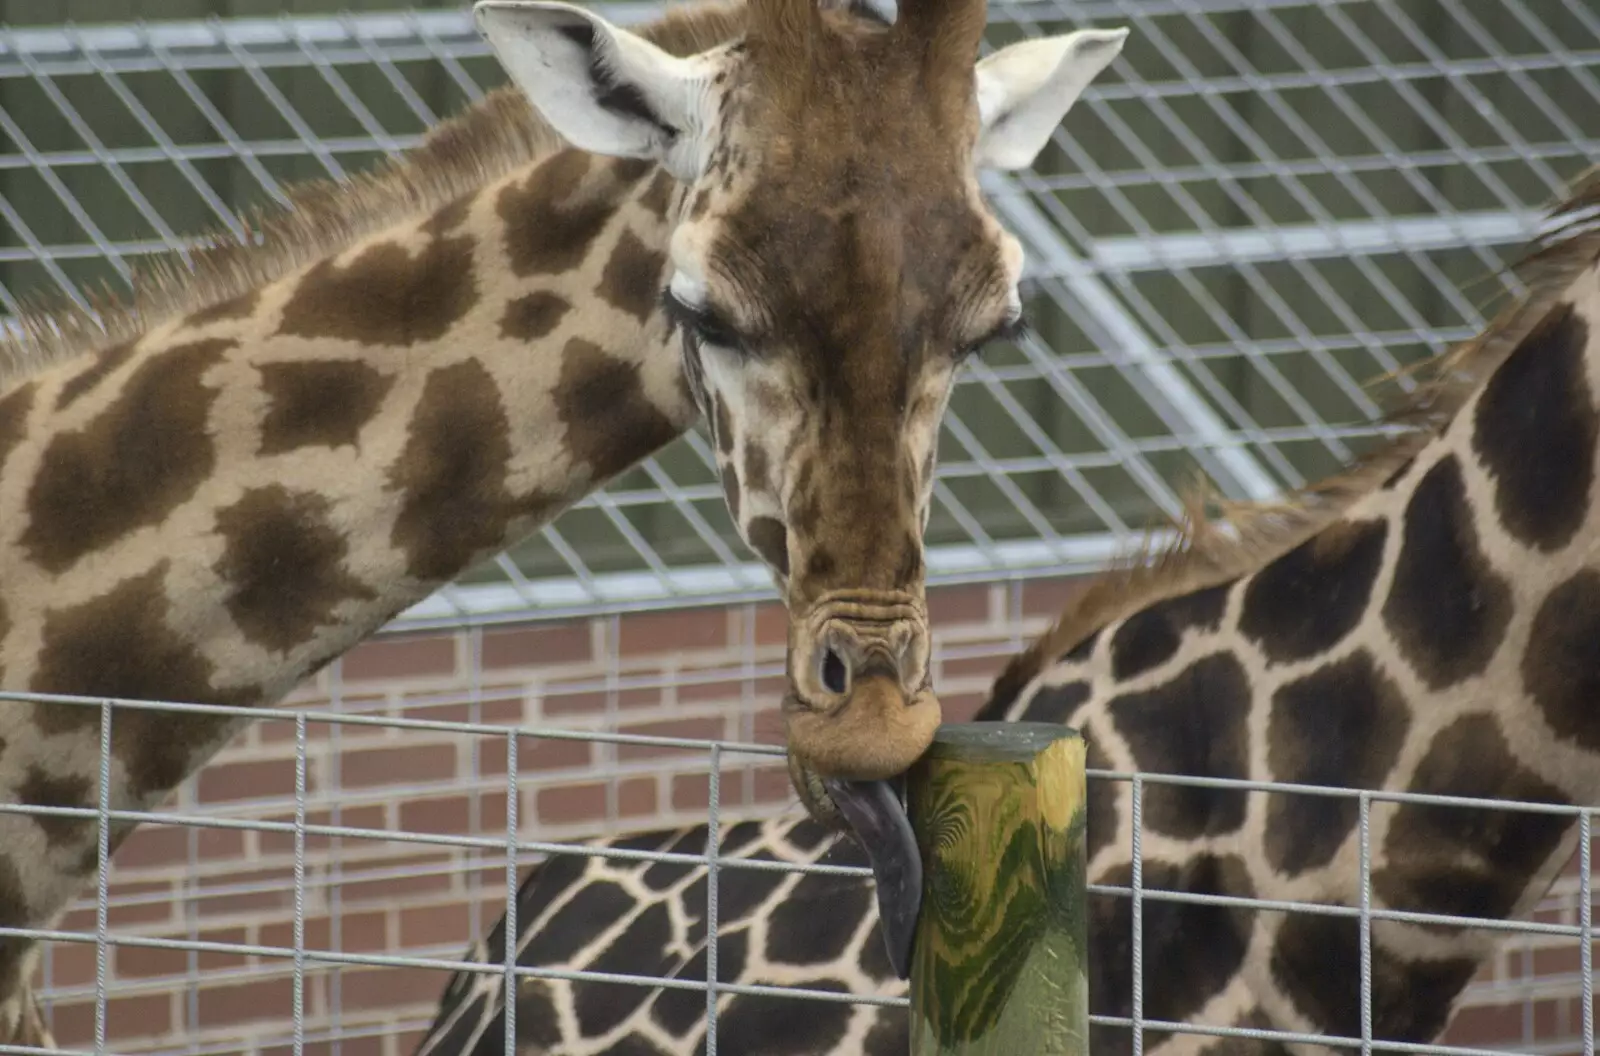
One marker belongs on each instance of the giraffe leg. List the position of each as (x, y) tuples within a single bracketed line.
[(21, 1019)]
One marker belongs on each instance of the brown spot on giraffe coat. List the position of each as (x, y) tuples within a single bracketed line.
[(631, 280), (610, 423), (1560, 669), (39, 788), (453, 474), (1195, 724), (239, 307), (1306, 601), (642, 946), (658, 196), (1535, 429), (1152, 636), (387, 296), (14, 408), (120, 645), (533, 316), (284, 566), (318, 403), (1447, 608), (1316, 960), (1199, 946), (1341, 725), (1468, 861), (131, 465), (553, 216), (105, 363)]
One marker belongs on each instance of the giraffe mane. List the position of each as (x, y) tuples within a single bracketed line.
[(1205, 550), (489, 139)]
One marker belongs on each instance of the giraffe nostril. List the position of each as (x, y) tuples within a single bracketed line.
[(834, 675)]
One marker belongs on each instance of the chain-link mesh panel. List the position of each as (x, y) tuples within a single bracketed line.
[(1260, 209)]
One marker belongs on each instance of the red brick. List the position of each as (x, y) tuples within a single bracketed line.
[(693, 792), (559, 702), (556, 643), (361, 931), (1555, 1018), (266, 999), (984, 667), (668, 632), (139, 1016), (961, 707), (380, 988), (412, 764), (969, 604), (443, 924), (368, 817), (636, 797), (689, 729), (1555, 960), (71, 964), (144, 962), (495, 711), (216, 960), (272, 730), (1485, 1026), (570, 804), (430, 876), (772, 785), (354, 1045), (448, 815), (1049, 598), (276, 892), (771, 624), (222, 782), (417, 656), (535, 755), (153, 845), (123, 912)]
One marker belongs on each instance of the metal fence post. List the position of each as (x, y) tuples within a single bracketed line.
[(998, 964)]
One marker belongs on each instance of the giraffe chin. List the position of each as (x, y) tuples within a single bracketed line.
[(874, 810)]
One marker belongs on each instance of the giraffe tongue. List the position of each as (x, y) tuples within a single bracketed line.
[(874, 811)]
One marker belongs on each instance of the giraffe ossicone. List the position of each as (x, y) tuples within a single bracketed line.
[(834, 267)]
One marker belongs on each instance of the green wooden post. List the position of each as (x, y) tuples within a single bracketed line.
[(998, 963)]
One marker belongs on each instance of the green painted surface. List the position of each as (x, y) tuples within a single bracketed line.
[(998, 966)]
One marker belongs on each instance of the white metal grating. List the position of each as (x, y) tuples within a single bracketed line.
[(296, 1023), (1263, 206)]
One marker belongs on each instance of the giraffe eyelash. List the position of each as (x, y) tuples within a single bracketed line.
[(706, 327), (1014, 330)]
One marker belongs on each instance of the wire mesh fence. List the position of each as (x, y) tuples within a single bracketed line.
[(1260, 208), (286, 966)]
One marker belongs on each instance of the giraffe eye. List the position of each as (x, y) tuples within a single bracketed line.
[(706, 327), (1013, 329)]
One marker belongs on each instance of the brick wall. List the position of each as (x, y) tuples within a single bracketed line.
[(705, 673)]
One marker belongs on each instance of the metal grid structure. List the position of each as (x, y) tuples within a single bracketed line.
[(499, 855), (1261, 207)]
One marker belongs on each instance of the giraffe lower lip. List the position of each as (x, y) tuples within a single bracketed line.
[(884, 831)]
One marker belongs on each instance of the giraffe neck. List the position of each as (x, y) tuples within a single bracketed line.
[(216, 507), (1437, 635)]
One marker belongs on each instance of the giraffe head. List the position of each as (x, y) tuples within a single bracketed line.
[(832, 266)]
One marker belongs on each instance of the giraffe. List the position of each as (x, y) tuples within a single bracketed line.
[(1423, 622), (211, 491)]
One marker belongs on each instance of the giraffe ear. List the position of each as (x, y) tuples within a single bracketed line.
[(605, 90), (1024, 91)]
